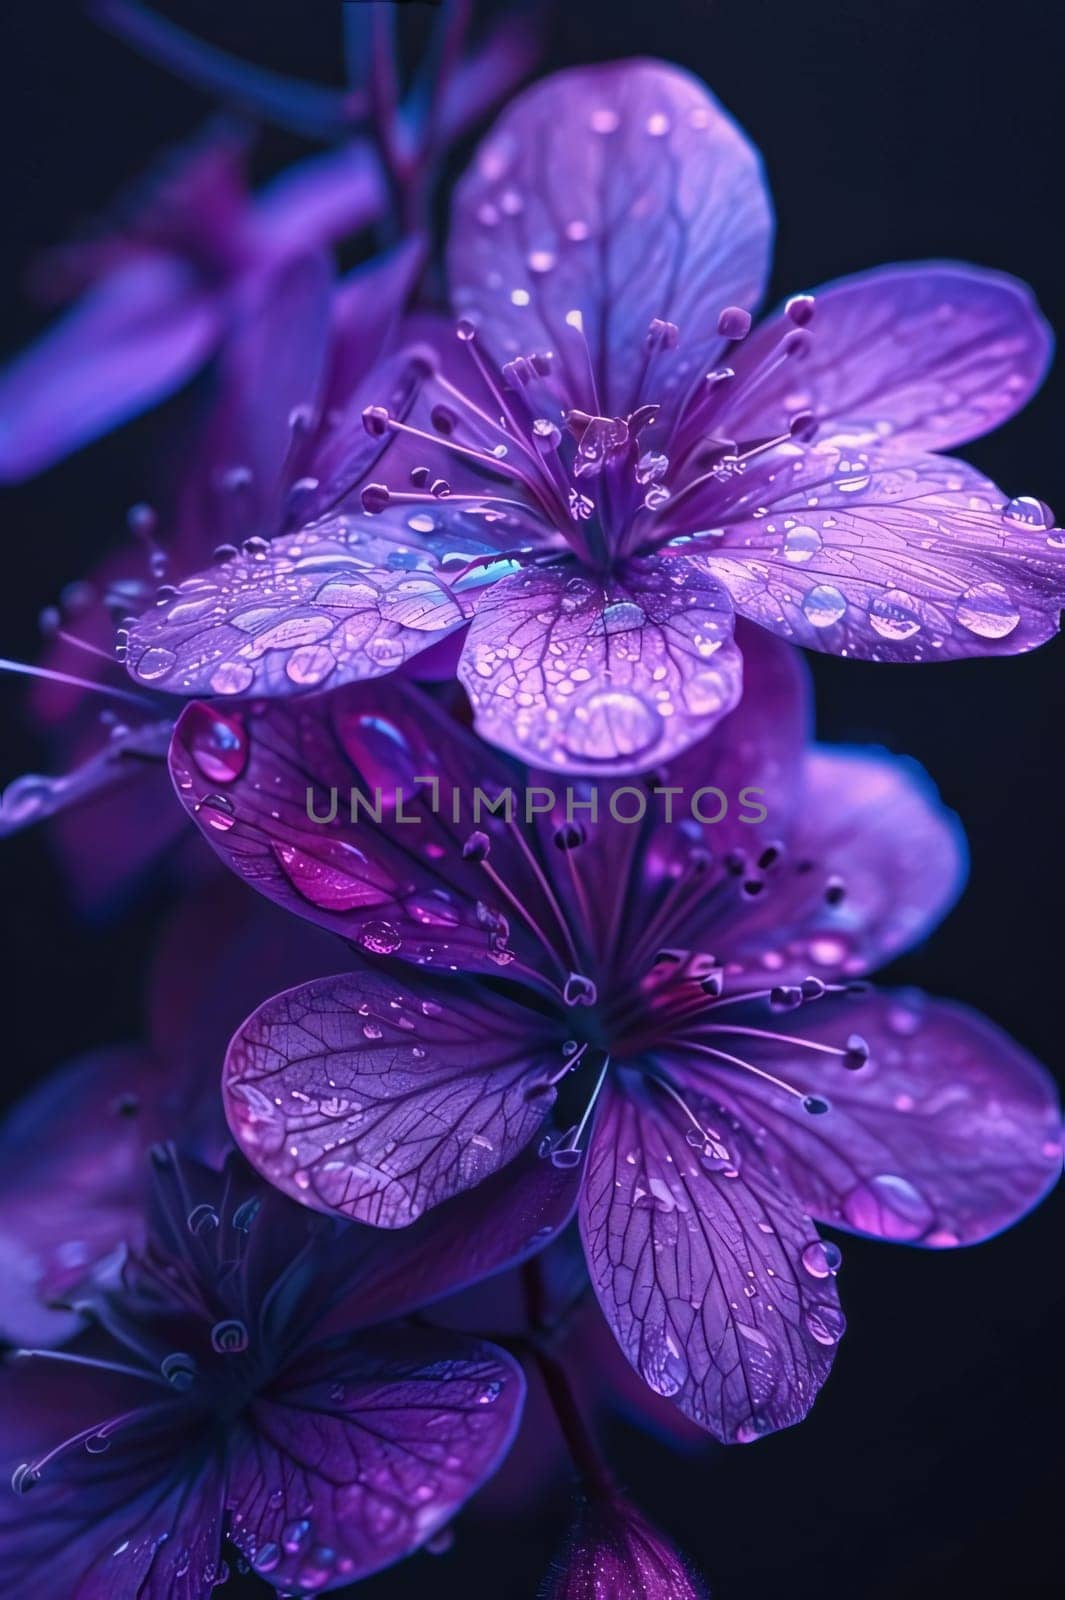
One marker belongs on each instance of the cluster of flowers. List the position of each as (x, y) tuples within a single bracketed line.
[(555, 1044)]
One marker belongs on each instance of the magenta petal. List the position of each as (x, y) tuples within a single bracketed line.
[(614, 1553), (700, 1274), (315, 608), (927, 353), (358, 1456), (130, 341), (947, 1135), (886, 559), (373, 1099), (271, 788), (570, 671), (626, 194), (874, 864)]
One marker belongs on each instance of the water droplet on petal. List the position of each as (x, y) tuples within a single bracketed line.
[(1028, 512), (893, 615), (988, 610), (801, 544), (823, 606)]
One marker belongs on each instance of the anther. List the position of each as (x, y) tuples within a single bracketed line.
[(785, 997), (443, 419), (476, 847), (734, 323), (569, 835), (662, 335), (375, 419), (815, 1104), (375, 497), (835, 891), (713, 983), (419, 476), (579, 990), (812, 988), (800, 309), (856, 1054)]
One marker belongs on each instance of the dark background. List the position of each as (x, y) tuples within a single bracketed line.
[(919, 128)]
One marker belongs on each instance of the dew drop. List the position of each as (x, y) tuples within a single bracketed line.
[(893, 615), (801, 544), (988, 610), (823, 606), (1027, 512)]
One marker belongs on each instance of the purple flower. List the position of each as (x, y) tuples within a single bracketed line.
[(72, 1151), (632, 978), (615, 1554), (158, 295), (275, 440), (251, 1377), (609, 465)]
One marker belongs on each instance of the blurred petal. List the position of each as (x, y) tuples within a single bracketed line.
[(323, 199), (623, 193), (862, 554), (72, 1160), (928, 354), (136, 337), (377, 1100), (699, 1271), (947, 1135), (614, 1553), (578, 673), (384, 1442), (875, 863)]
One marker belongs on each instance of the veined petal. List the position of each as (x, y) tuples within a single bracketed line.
[(383, 1441), (622, 193), (353, 809), (860, 553), (578, 673), (926, 354), (377, 1099), (948, 1134), (316, 608), (700, 1272)]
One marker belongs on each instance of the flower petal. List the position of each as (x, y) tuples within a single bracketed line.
[(316, 607), (623, 193), (321, 200), (863, 554), (144, 1524), (373, 1099), (72, 1159), (286, 795), (927, 354), (358, 1456), (875, 863), (131, 340), (700, 1274), (498, 1224), (571, 671), (947, 1135)]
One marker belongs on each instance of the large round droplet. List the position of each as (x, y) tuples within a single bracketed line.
[(217, 742), (823, 606), (893, 615), (801, 544), (988, 610), (1025, 511), (232, 677), (155, 664), (889, 1207)]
